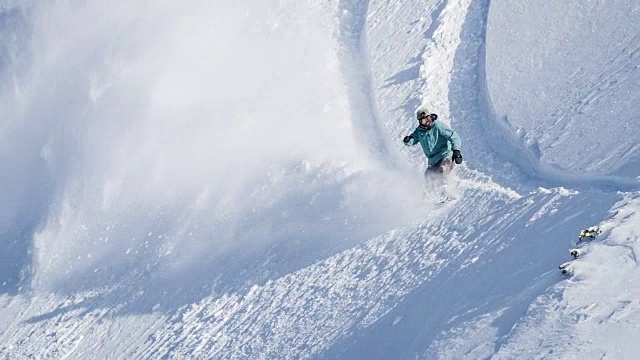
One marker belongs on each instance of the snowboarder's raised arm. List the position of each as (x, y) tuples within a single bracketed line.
[(410, 140)]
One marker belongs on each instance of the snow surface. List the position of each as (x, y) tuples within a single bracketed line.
[(226, 180)]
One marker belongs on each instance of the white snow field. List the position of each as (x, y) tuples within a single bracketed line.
[(226, 180)]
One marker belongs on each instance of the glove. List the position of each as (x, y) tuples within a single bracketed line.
[(457, 157), (407, 140)]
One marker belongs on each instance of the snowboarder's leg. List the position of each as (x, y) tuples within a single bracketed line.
[(432, 181), (431, 173), (439, 182), (436, 180), (449, 188), (445, 165)]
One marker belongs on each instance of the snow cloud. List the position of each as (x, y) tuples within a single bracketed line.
[(167, 135)]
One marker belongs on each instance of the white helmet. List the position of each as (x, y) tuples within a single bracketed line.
[(422, 113)]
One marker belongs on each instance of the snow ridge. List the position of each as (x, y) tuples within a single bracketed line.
[(357, 74)]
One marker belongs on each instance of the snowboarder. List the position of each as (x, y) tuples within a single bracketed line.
[(440, 144)]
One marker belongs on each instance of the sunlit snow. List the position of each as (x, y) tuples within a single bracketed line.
[(226, 179)]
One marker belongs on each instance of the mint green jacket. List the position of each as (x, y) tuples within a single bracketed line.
[(437, 142)]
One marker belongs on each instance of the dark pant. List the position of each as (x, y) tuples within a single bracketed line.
[(436, 177), (443, 167)]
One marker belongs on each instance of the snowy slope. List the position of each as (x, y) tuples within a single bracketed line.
[(227, 181), (595, 313), (572, 74)]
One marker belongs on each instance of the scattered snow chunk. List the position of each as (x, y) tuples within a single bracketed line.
[(566, 192)]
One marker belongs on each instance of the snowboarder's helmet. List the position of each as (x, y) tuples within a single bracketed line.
[(422, 113)]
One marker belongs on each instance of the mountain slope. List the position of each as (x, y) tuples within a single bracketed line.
[(315, 251), (570, 72)]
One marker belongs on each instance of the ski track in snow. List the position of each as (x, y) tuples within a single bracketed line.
[(343, 306), (356, 69)]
